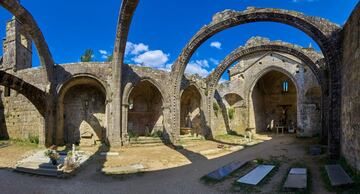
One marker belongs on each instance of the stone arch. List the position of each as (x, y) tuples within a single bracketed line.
[(95, 109), (306, 58), (130, 86), (36, 96), (254, 81), (325, 33), (127, 10), (30, 25), (249, 87), (146, 99), (238, 53), (232, 98)]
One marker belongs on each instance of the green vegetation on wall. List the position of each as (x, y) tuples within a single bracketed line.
[(231, 113), (216, 108)]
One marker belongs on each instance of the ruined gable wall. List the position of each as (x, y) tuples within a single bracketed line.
[(241, 84)]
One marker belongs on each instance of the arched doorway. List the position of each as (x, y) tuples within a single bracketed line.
[(145, 110), (190, 111), (273, 102), (82, 112)]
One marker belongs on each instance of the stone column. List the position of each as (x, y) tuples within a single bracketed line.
[(124, 131)]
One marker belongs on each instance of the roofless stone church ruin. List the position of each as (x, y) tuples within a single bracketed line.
[(274, 85)]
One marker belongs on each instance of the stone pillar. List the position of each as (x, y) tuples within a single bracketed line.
[(124, 131), (127, 10)]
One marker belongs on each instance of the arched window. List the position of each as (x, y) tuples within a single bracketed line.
[(285, 86)]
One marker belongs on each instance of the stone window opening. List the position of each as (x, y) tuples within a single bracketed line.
[(285, 86), (7, 92), (131, 104)]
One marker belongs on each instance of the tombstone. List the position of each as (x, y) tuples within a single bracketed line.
[(297, 179), (315, 150), (87, 139), (255, 176), (226, 170), (337, 175)]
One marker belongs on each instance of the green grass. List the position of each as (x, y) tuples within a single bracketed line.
[(353, 173), (19, 142)]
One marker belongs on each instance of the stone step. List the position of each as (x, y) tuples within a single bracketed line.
[(146, 140), (146, 144), (39, 171), (191, 138)]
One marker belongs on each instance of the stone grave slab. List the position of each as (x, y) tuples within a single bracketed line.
[(298, 171), (109, 153), (133, 168), (225, 170), (297, 179), (236, 148), (337, 175), (256, 175), (315, 150)]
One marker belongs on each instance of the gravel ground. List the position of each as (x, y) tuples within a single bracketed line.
[(184, 179)]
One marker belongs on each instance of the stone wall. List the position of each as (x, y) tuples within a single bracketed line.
[(18, 116), (250, 69), (350, 134), (84, 115)]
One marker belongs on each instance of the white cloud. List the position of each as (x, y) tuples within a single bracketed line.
[(198, 67), (214, 61), (222, 80), (103, 52), (135, 49), (155, 59), (216, 44)]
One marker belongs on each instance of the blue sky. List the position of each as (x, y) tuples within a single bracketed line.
[(161, 28)]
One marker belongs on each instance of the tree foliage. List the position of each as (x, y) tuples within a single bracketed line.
[(87, 56)]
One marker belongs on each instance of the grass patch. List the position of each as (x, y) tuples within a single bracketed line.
[(22, 142), (353, 173)]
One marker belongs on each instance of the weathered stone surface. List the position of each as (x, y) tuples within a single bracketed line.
[(337, 175), (350, 99), (259, 56), (338, 75), (255, 176), (297, 179), (226, 170)]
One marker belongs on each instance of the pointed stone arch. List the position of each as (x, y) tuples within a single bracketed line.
[(325, 33)]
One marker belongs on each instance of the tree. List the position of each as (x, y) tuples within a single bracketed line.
[(87, 56), (109, 58)]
